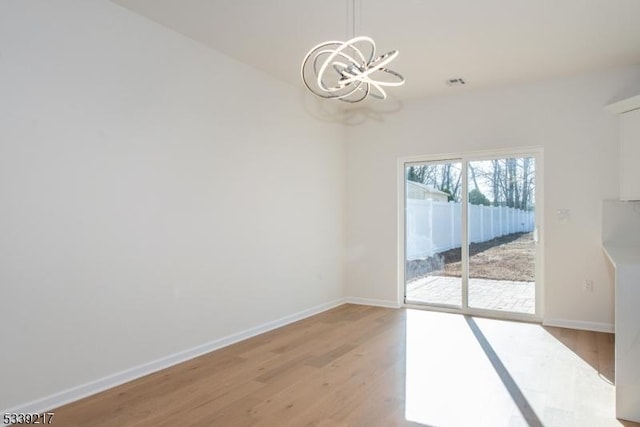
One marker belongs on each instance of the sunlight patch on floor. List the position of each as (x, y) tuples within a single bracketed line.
[(469, 371)]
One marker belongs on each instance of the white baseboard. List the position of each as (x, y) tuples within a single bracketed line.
[(373, 302), (76, 393), (579, 324)]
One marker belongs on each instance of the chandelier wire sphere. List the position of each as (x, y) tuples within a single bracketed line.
[(349, 71)]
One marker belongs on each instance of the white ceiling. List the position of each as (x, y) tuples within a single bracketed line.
[(486, 42)]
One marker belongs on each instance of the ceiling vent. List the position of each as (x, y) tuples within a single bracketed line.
[(456, 82)]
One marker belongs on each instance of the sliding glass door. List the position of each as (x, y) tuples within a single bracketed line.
[(470, 234)]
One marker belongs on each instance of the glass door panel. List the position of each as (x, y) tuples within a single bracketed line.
[(433, 246), (501, 223)]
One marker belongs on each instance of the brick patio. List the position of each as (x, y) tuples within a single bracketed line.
[(500, 295)]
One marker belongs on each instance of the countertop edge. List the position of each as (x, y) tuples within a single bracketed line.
[(622, 255)]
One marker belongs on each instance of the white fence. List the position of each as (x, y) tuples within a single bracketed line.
[(434, 227)]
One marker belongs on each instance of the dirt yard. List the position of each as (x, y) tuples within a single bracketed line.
[(509, 257)]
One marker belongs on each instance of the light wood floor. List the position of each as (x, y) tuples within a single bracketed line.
[(366, 366)]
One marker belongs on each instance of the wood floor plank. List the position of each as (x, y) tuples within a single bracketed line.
[(349, 367)]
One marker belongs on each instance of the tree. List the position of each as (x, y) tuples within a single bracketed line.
[(415, 174), (445, 177), (477, 198), (502, 182)]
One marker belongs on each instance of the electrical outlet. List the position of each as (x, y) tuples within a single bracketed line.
[(588, 285)]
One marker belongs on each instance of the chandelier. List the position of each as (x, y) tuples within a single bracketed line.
[(349, 71)]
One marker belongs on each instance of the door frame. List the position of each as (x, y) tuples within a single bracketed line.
[(465, 157)]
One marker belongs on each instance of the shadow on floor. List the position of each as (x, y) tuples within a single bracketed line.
[(516, 394), (582, 344)]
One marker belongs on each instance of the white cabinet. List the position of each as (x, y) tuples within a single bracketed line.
[(626, 261), (629, 111), (630, 155)]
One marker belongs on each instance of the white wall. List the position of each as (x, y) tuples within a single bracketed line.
[(154, 195), (563, 115)]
